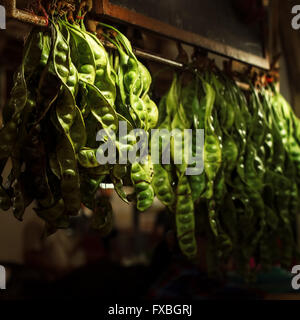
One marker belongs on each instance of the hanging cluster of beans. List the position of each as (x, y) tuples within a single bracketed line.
[(244, 203), (67, 88)]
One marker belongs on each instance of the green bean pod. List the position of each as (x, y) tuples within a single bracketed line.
[(185, 221)]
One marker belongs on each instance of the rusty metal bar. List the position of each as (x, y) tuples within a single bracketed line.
[(21, 15), (27, 17), (159, 59), (149, 56), (119, 13)]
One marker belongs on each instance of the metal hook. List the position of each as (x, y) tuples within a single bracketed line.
[(182, 55)]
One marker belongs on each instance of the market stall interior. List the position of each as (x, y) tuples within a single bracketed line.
[(146, 154)]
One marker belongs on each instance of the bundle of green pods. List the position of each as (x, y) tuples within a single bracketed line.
[(67, 88), (244, 203)]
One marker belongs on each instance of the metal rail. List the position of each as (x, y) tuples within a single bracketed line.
[(149, 56), (21, 15), (159, 59), (31, 18)]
